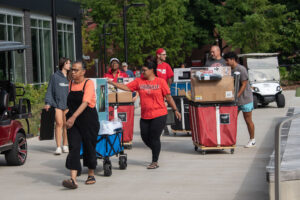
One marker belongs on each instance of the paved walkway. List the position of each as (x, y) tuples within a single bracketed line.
[(184, 173)]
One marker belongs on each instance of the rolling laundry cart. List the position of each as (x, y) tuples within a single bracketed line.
[(214, 125), (125, 112), (183, 126), (180, 89)]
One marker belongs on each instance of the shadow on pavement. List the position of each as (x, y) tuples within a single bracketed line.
[(255, 185)]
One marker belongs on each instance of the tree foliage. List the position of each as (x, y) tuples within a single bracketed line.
[(252, 25), (161, 23)]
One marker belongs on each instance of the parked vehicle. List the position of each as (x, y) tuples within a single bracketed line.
[(13, 143), (264, 78)]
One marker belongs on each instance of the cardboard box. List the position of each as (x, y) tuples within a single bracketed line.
[(213, 91), (223, 71), (120, 97), (124, 97)]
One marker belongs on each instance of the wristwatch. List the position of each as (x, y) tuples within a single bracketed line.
[(174, 110)]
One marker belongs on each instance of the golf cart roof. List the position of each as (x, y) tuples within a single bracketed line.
[(258, 55), (11, 46)]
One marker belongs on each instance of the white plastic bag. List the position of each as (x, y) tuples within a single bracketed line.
[(109, 127)]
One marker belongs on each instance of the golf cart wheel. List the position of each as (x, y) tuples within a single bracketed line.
[(18, 154), (265, 104), (280, 100), (255, 101), (107, 169), (123, 162)]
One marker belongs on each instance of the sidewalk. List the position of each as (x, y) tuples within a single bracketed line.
[(183, 173)]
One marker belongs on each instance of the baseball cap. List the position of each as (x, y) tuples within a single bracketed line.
[(124, 64), (159, 51), (114, 59)]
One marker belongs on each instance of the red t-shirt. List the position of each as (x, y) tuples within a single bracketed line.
[(164, 71), (152, 95), (119, 74)]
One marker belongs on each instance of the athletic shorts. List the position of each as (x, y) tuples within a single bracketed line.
[(247, 107)]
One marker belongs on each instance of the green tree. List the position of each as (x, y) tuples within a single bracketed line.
[(252, 25), (161, 23), (205, 16)]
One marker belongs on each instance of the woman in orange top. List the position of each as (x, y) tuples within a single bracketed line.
[(83, 126), (153, 91)]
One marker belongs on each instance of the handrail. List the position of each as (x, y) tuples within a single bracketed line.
[(277, 153)]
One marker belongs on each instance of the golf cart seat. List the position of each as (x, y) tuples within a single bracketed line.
[(17, 111), (4, 120)]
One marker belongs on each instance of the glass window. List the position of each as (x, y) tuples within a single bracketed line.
[(66, 41), (9, 19), (2, 18), (70, 28), (33, 23), (46, 24), (48, 54), (17, 20), (60, 26), (10, 33), (18, 34), (41, 51), (3, 32), (11, 29)]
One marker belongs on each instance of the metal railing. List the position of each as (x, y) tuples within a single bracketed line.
[(277, 152)]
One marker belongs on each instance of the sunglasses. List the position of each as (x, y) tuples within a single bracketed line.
[(75, 70)]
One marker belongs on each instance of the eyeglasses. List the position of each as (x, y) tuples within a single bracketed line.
[(75, 70), (163, 54)]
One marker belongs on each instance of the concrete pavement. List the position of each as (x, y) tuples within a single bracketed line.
[(183, 173)]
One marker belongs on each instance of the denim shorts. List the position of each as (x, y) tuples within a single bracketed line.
[(247, 107)]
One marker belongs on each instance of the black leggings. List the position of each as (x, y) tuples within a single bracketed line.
[(151, 130)]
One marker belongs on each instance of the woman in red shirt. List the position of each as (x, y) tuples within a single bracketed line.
[(153, 92)]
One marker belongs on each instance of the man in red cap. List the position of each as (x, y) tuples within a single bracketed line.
[(163, 70)]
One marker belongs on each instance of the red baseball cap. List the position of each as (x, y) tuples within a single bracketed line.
[(159, 51)]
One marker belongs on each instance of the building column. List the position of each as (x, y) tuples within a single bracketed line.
[(28, 51)]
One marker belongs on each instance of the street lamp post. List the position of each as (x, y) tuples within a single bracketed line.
[(104, 41), (125, 8)]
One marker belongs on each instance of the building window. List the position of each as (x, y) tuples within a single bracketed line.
[(11, 29), (66, 46), (41, 50)]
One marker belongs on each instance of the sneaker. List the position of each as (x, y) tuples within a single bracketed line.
[(65, 149), (251, 143), (58, 151)]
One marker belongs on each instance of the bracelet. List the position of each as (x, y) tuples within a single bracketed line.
[(174, 110)]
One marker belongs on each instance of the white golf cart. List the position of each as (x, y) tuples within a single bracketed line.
[(264, 78)]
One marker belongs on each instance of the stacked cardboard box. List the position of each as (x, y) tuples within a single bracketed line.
[(206, 89), (120, 96)]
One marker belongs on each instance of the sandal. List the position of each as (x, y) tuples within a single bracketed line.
[(70, 183), (153, 165), (90, 180)]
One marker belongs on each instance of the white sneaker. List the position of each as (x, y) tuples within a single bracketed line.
[(58, 151), (65, 149), (251, 143)]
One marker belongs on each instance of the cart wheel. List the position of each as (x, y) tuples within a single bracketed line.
[(123, 162), (107, 169), (232, 151), (203, 152), (196, 148)]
